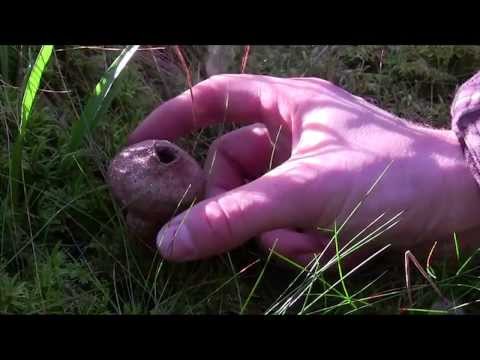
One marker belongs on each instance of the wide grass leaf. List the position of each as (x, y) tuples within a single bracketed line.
[(99, 100), (31, 88), (33, 84)]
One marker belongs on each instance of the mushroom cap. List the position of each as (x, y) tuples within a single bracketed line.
[(154, 178)]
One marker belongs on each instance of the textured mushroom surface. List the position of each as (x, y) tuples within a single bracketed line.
[(154, 180)]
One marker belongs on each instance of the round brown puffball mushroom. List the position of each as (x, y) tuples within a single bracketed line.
[(154, 180)]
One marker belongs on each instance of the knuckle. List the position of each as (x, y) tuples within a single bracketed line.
[(222, 79), (217, 78), (211, 83), (218, 221), (218, 144)]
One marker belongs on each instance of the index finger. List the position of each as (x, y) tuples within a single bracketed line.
[(243, 99)]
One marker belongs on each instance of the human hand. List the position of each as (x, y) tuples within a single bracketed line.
[(329, 147)]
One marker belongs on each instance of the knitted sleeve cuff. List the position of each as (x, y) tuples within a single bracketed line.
[(465, 111)]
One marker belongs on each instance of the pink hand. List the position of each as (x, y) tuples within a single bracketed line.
[(332, 146)]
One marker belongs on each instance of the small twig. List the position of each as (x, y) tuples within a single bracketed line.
[(180, 56), (106, 48), (4, 83), (20, 65), (246, 52), (410, 257), (429, 257)]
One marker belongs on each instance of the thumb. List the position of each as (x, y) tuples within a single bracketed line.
[(228, 220)]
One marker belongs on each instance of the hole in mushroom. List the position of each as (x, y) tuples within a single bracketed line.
[(165, 154)]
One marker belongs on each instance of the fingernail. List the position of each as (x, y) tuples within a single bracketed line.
[(174, 242)]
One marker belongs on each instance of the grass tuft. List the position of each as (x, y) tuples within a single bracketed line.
[(99, 101)]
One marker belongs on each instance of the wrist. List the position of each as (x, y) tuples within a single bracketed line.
[(459, 191)]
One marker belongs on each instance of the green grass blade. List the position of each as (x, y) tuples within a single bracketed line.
[(32, 85), (340, 272), (99, 100), (348, 274), (459, 271), (427, 311), (457, 246), (29, 96), (259, 278), (15, 169)]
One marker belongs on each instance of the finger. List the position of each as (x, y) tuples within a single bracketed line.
[(237, 157), (297, 246), (325, 87), (315, 82), (228, 220), (240, 99), (302, 247)]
